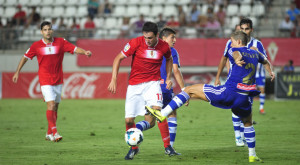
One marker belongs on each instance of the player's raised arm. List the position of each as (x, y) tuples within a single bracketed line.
[(21, 64), (82, 51), (220, 69), (238, 58), (169, 64), (112, 87), (268, 66)]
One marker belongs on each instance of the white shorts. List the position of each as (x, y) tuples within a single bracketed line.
[(52, 92), (140, 95)]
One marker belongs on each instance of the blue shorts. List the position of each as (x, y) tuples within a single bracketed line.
[(260, 81), (167, 97), (222, 97)]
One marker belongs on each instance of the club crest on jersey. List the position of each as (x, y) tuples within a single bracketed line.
[(151, 54), (126, 48)]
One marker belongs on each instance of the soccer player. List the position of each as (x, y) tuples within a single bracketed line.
[(246, 26), (50, 53), (169, 35), (237, 93), (147, 53)]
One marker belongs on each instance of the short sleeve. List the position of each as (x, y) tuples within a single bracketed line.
[(175, 57), (130, 47), (168, 53), (30, 53), (261, 58), (68, 47), (227, 47), (261, 48)]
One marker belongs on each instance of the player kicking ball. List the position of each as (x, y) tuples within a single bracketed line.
[(50, 53), (237, 93)]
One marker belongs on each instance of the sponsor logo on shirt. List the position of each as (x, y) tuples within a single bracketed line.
[(126, 48)]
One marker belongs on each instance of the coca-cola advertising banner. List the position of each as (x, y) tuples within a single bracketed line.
[(76, 85), (192, 52)]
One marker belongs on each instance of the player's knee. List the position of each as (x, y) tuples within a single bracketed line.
[(173, 114), (129, 121)]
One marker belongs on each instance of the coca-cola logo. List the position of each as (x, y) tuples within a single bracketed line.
[(77, 85)]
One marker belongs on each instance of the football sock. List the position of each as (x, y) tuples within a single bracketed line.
[(143, 125), (172, 123), (175, 103), (127, 128), (250, 138), (262, 100), (55, 116), (164, 131), (242, 130), (236, 125), (51, 123)]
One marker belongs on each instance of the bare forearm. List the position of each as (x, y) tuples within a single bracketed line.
[(169, 64), (221, 66), (268, 67), (179, 78), (21, 64), (80, 51)]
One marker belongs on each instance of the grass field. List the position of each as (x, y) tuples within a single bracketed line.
[(93, 132)]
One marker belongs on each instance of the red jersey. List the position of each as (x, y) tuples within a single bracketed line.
[(50, 57), (146, 61)]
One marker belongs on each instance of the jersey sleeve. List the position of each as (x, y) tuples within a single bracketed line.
[(68, 47), (175, 57), (261, 58), (31, 52), (227, 47), (130, 47), (261, 48)]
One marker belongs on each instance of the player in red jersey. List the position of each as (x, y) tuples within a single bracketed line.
[(50, 53), (147, 53)]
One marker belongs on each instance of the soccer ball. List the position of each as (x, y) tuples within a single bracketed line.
[(134, 137)]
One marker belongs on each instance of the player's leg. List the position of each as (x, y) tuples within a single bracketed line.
[(172, 123), (237, 130), (262, 97)]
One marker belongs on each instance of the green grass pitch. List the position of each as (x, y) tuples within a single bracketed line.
[(93, 133)]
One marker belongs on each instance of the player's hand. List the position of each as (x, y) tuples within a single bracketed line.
[(169, 84), (240, 62), (112, 87), (272, 74), (88, 53), (217, 82), (15, 77), (187, 103)]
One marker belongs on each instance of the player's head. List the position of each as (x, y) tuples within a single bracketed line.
[(169, 35), (239, 39), (237, 27), (150, 31), (46, 30), (246, 26)]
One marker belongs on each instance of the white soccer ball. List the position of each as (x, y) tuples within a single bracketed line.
[(134, 137)]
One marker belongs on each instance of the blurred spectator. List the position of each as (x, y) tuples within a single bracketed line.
[(137, 26), (297, 3), (213, 27), (62, 25), (221, 15), (125, 28), (90, 26), (194, 14), (93, 6), (54, 24), (298, 26), (172, 23), (1, 24), (210, 12), (33, 18), (286, 24), (74, 26), (161, 22), (181, 16), (293, 12), (106, 7), (288, 68), (20, 17)]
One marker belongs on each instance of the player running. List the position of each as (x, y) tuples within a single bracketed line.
[(237, 93), (169, 35), (50, 53), (147, 53)]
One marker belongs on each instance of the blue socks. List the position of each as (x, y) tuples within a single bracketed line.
[(172, 122), (143, 125)]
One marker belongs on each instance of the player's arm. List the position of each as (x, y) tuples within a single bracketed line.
[(115, 70), (220, 69), (268, 66), (82, 51), (238, 58), (20, 66), (169, 64)]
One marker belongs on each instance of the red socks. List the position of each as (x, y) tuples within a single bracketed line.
[(164, 131), (127, 128), (51, 117)]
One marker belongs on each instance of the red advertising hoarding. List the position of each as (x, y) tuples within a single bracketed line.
[(76, 85)]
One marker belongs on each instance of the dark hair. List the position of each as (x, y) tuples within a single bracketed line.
[(166, 32), (239, 35), (246, 21), (45, 23), (291, 62), (150, 27)]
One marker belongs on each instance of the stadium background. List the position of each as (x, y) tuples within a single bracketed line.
[(199, 46)]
